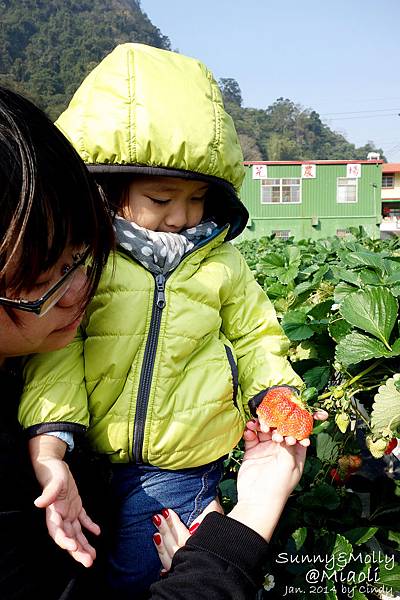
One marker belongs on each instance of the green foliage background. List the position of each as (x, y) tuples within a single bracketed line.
[(47, 47)]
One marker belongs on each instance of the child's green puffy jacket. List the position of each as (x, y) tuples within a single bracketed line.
[(165, 385)]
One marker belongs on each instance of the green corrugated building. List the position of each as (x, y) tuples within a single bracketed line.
[(312, 199)]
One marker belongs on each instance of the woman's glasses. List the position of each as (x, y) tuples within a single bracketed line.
[(42, 305)]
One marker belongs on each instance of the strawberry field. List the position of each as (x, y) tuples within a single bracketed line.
[(338, 303)]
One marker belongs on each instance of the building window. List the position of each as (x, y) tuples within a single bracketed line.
[(346, 190), (388, 180), (280, 191), (282, 234)]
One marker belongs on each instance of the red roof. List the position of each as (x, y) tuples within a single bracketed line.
[(391, 168)]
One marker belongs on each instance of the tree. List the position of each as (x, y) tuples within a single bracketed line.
[(47, 47), (231, 91)]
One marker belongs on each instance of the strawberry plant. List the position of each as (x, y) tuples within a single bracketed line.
[(338, 303)]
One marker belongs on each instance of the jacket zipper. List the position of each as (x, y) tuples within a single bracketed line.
[(146, 374), (147, 368)]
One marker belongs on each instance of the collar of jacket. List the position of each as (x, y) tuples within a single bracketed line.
[(199, 252)]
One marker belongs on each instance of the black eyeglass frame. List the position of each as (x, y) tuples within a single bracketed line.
[(36, 306)]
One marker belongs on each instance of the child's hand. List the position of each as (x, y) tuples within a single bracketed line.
[(65, 515)]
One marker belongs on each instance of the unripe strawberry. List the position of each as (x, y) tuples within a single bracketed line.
[(376, 447)]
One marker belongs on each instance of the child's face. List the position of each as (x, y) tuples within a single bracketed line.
[(168, 204)]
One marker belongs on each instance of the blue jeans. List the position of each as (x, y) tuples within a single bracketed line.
[(139, 492)]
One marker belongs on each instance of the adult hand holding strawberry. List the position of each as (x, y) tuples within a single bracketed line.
[(268, 474)]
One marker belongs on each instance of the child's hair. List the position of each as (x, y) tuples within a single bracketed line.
[(48, 199), (115, 186)]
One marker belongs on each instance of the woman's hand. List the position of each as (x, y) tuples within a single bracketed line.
[(268, 474), (172, 533), (319, 415)]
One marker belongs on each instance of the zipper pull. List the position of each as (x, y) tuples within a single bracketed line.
[(160, 284)]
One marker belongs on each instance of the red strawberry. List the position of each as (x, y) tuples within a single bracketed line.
[(338, 477), (391, 446), (350, 462), (282, 408)]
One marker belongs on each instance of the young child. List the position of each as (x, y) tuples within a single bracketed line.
[(179, 336)]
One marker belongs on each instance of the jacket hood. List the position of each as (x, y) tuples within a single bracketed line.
[(151, 111)]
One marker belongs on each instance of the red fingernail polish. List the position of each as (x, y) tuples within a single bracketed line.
[(165, 513), (193, 528), (156, 520), (157, 539)]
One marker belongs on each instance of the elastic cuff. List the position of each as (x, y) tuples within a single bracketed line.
[(255, 402), (35, 430), (232, 541)]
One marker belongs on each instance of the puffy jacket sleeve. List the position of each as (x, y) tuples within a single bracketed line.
[(249, 322), (54, 396)]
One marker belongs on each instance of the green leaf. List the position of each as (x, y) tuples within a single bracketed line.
[(293, 255), (288, 274), (342, 290), (321, 310), (228, 489), (299, 537), (359, 535), (342, 551), (304, 286), (295, 326), (327, 448), (345, 275), (276, 290), (389, 576), (331, 591), (395, 290), (272, 261), (317, 377), (356, 347), (322, 496), (394, 536), (370, 278), (373, 310), (338, 329), (369, 259), (386, 407)]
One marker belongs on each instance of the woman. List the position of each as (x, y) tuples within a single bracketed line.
[(52, 222), (52, 219)]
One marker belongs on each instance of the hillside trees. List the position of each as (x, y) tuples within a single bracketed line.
[(47, 47), (287, 131)]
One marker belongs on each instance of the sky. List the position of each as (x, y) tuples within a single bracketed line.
[(338, 57)]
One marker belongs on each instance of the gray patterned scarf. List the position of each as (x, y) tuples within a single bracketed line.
[(157, 251)]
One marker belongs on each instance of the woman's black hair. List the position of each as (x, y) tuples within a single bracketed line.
[(48, 199)]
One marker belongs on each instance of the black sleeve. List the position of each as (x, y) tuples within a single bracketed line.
[(221, 561), (31, 565)]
